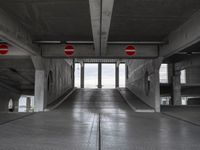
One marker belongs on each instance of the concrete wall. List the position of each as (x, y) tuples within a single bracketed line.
[(193, 75), (5, 96), (61, 79), (137, 81)]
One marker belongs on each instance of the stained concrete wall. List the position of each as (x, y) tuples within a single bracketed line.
[(193, 75), (5, 96), (138, 82), (61, 79), (53, 77)]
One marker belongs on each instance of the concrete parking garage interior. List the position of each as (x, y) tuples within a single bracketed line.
[(154, 100)]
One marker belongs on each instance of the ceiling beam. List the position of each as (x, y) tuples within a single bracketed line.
[(101, 13), (185, 36), (13, 33), (107, 9), (108, 42), (87, 51), (95, 13)]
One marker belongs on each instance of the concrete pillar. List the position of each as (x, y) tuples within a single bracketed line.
[(99, 75), (40, 91), (73, 72), (156, 82), (176, 84), (28, 104), (117, 74), (82, 74)]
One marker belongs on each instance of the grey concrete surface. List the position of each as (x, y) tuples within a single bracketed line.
[(187, 113), (90, 117), (134, 102), (143, 80)]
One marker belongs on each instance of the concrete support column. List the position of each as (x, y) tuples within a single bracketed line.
[(156, 81), (117, 75), (40, 91), (73, 72), (40, 95), (82, 74), (176, 84), (28, 104), (99, 75)]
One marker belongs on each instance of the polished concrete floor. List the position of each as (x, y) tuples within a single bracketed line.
[(98, 119), (189, 114)]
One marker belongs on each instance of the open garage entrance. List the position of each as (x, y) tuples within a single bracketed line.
[(108, 76), (99, 73)]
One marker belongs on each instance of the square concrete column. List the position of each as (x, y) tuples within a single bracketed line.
[(82, 74), (156, 82), (99, 75), (28, 104), (117, 74), (176, 84), (40, 91)]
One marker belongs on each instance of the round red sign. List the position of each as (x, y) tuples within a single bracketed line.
[(69, 50), (3, 49), (130, 50)]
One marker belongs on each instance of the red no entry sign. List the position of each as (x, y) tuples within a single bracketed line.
[(69, 50), (130, 50), (3, 49)]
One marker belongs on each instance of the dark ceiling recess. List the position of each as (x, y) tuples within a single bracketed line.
[(192, 51), (145, 20), (61, 20), (21, 75)]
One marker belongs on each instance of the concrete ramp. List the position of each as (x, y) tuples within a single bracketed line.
[(134, 102)]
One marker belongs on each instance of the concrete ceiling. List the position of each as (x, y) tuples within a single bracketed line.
[(140, 20), (132, 20), (52, 19), (98, 22), (14, 76)]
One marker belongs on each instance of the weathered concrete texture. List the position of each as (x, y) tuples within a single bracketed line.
[(187, 113), (16, 78), (14, 32), (53, 78), (193, 75), (143, 80), (62, 77), (176, 85), (5, 96), (98, 119)]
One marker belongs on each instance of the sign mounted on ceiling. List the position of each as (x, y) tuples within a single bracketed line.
[(3, 49), (130, 50), (69, 50)]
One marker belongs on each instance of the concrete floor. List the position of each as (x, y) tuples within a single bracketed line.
[(189, 114), (90, 117)]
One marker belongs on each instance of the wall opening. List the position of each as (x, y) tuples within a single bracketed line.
[(183, 76), (11, 105), (164, 73), (26, 103), (108, 75), (77, 74), (122, 75), (91, 75)]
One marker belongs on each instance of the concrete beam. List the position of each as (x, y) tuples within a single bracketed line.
[(182, 38), (113, 51), (12, 32), (95, 13), (101, 13), (107, 9)]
